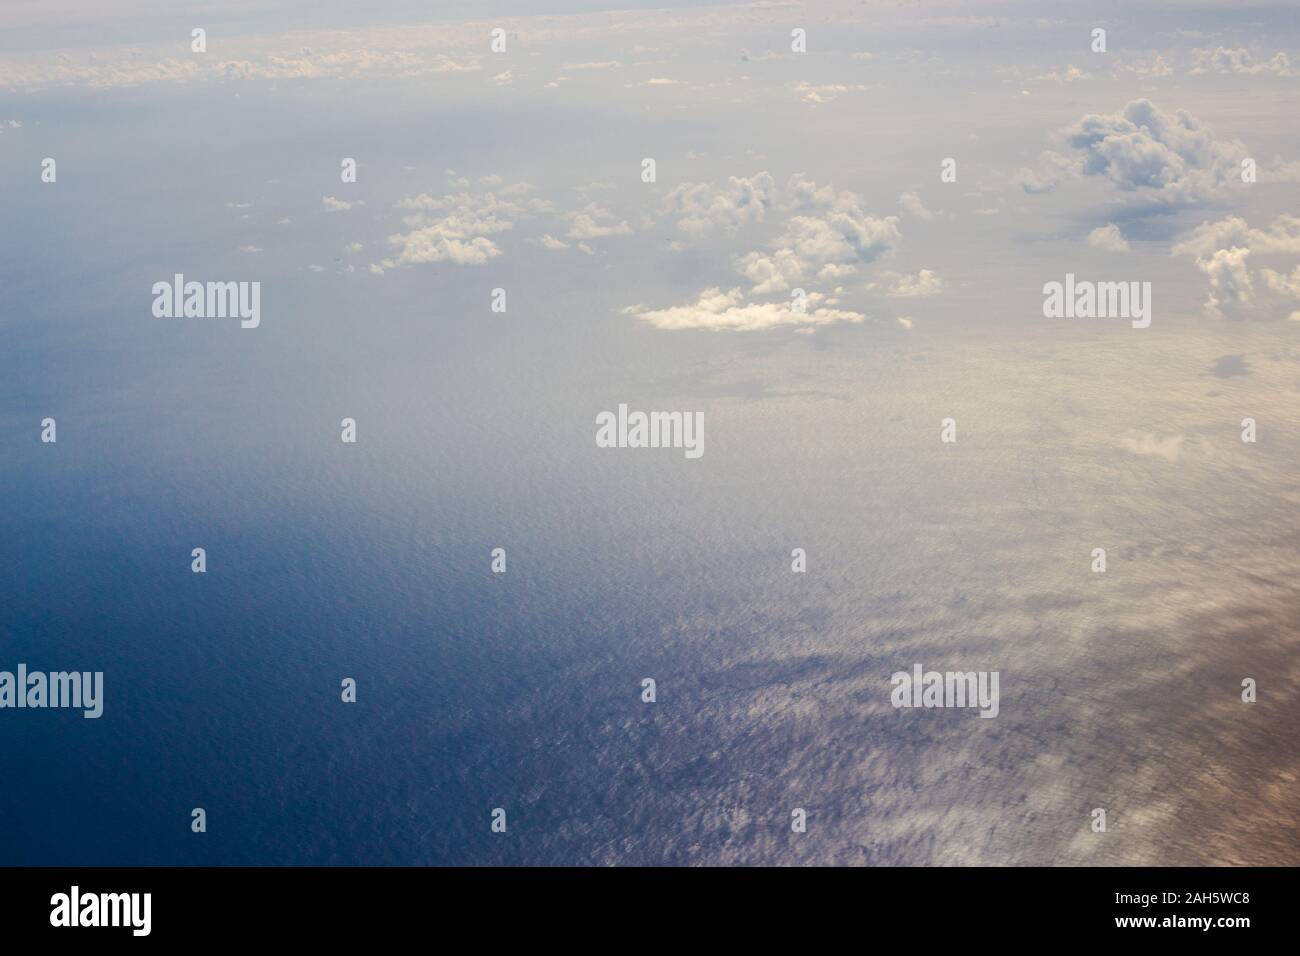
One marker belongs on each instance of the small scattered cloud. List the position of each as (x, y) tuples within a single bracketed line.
[(1150, 66), (459, 228), (1109, 238), (825, 92), (1071, 74), (331, 204), (716, 310), (912, 205), (1241, 60), (596, 222), (592, 65), (923, 284)]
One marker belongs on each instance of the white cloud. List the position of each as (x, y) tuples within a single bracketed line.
[(593, 65), (1223, 60), (1224, 252), (331, 204), (1288, 285), (825, 92), (1283, 237), (596, 222), (699, 208), (924, 283), (113, 67), (458, 227), (1173, 159), (1231, 291), (1151, 66), (442, 244), (1109, 238), (832, 231), (716, 310), (912, 205), (1071, 74)]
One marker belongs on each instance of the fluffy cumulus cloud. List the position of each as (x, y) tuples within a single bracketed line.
[(826, 235), (912, 205), (1109, 238), (596, 222), (1282, 238), (1225, 252), (925, 283), (1231, 292), (458, 227), (717, 310), (829, 236), (700, 208), (1170, 158), (1159, 157), (1223, 60), (1283, 284)]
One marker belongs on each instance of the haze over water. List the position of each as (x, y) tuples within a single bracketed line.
[(476, 430)]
